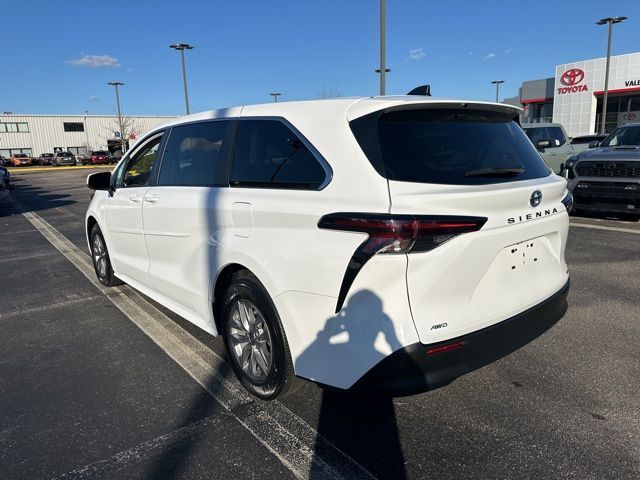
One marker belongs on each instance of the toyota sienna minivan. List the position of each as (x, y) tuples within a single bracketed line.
[(387, 244)]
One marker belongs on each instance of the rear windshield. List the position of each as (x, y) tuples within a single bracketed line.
[(99, 152), (65, 154), (448, 146)]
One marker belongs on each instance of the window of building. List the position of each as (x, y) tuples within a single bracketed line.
[(269, 154), (73, 126), (14, 127), (78, 150), (10, 152), (195, 155)]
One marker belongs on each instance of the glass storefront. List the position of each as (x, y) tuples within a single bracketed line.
[(616, 104), (539, 112)]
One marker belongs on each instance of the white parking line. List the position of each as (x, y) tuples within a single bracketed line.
[(293, 441), (601, 227)]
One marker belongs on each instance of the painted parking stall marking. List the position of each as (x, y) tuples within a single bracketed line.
[(293, 441)]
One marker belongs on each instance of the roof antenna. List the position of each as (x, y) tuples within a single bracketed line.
[(424, 90)]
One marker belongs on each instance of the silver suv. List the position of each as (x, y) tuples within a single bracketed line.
[(551, 141), (607, 176)]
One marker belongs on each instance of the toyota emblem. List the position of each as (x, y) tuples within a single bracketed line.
[(536, 198), (572, 77)]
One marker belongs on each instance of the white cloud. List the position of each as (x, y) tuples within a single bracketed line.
[(470, 54), (508, 50), (94, 97), (95, 61), (416, 53), (491, 56)]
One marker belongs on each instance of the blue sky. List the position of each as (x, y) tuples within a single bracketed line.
[(66, 51)]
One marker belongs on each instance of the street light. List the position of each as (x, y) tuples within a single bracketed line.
[(383, 44), (119, 84), (275, 96), (497, 83), (607, 21), (182, 47)]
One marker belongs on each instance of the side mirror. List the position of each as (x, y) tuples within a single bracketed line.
[(99, 181), (594, 144), (543, 144)]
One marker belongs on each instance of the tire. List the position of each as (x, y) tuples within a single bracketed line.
[(264, 335), (101, 260)]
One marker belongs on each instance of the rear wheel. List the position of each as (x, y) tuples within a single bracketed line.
[(255, 340), (101, 261)]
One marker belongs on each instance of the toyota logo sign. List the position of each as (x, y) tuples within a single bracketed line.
[(629, 116), (572, 77), (536, 198)]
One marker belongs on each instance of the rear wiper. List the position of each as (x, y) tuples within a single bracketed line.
[(495, 172)]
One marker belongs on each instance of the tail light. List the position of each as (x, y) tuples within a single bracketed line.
[(394, 234)]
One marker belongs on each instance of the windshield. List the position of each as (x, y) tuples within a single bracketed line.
[(99, 152), (47, 154), (623, 136), (20, 155), (448, 146), (65, 154)]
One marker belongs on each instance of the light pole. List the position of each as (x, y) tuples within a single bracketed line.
[(383, 47), (119, 84), (275, 96), (607, 21), (182, 47), (497, 83)]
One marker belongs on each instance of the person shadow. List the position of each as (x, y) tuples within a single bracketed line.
[(361, 423)]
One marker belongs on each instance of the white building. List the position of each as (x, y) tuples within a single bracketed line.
[(574, 97), (79, 134)]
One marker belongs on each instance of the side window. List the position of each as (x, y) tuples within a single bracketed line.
[(556, 137), (140, 167), (269, 154), (194, 155)]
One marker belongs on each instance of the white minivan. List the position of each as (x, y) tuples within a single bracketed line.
[(386, 243)]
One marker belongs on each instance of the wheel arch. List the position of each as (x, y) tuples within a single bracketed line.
[(222, 282)]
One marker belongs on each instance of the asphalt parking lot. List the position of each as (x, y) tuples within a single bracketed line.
[(98, 383)]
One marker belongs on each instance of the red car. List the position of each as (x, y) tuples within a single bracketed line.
[(98, 157)]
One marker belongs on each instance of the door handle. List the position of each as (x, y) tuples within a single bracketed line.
[(135, 198), (152, 198)]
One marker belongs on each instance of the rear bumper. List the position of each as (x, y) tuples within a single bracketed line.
[(411, 370)]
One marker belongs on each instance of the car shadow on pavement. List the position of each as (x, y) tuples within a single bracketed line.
[(33, 198), (361, 423)]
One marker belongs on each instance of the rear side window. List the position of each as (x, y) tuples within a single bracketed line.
[(194, 155), (448, 146), (553, 134), (268, 154)]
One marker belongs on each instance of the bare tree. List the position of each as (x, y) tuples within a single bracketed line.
[(129, 127), (329, 92)]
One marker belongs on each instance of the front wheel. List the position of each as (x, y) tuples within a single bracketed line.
[(101, 260), (255, 340)]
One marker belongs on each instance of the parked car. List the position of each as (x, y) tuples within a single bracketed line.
[(21, 160), (98, 157), (6, 178), (551, 140), (582, 142), (390, 243), (63, 158), (43, 159), (607, 176), (5, 162), (4, 191)]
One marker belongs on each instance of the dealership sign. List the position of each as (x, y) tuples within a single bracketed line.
[(628, 117), (572, 80)]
